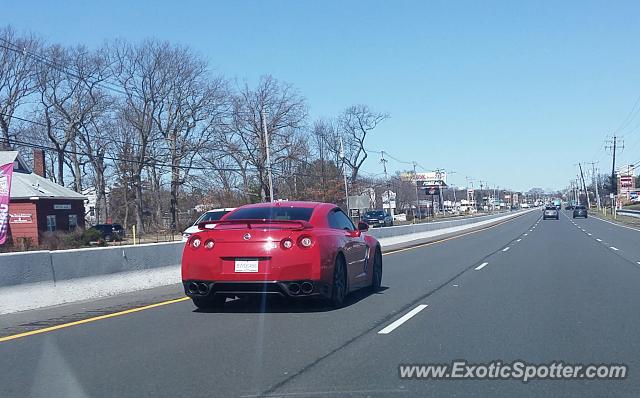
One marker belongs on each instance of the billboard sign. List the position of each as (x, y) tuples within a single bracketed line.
[(627, 183), (432, 190), (426, 176)]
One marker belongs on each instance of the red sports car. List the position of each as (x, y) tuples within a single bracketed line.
[(289, 249)]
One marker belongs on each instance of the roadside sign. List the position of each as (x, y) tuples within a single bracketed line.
[(354, 213)]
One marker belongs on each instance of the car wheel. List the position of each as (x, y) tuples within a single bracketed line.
[(339, 288), (204, 303), (108, 238), (376, 279), (586, 216), (544, 218)]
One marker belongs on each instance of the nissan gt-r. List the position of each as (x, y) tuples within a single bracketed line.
[(287, 249)]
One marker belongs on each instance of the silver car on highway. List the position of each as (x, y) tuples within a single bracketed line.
[(550, 212)]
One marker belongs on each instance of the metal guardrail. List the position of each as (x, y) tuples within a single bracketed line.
[(630, 213)]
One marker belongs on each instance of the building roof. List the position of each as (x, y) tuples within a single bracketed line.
[(7, 157), (30, 185)]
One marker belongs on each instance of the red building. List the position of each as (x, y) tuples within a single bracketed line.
[(38, 205)]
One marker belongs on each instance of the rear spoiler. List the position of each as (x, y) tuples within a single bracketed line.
[(251, 223)]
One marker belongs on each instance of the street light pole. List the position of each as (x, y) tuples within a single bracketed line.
[(415, 179), (344, 174), (266, 144)]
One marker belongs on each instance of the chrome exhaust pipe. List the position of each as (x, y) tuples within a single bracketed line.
[(192, 287), (203, 288), (306, 287), (294, 288)]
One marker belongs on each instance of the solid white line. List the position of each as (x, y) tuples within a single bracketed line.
[(616, 224), (599, 240), (505, 249), (403, 319), (519, 240), (481, 266), (614, 248)]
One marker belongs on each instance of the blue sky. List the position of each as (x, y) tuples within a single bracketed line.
[(510, 92)]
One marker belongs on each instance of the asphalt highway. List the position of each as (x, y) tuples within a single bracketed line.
[(527, 289)]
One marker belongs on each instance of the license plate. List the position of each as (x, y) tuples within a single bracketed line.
[(246, 266)]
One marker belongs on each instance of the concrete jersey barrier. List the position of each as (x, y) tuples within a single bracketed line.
[(42, 278)]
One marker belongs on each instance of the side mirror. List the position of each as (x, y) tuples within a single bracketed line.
[(363, 226)]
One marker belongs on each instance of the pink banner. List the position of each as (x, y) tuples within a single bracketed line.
[(6, 171)]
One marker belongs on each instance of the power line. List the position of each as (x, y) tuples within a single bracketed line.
[(61, 68)]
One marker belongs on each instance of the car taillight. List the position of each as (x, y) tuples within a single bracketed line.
[(195, 242), (209, 244), (305, 242), (287, 243)]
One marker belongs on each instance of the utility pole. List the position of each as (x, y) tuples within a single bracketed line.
[(584, 185), (615, 145), (594, 181), (440, 194), (384, 164), (266, 144), (344, 174), (415, 180)]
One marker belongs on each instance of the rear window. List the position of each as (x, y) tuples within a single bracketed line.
[(211, 216), (272, 213), (375, 213), (580, 207), (551, 208)]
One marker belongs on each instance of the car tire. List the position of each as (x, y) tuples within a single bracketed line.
[(339, 285), (586, 216), (544, 218), (376, 278), (205, 303), (108, 238)]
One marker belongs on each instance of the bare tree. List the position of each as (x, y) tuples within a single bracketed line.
[(285, 113), (139, 71), (355, 124), (16, 76), (191, 111)]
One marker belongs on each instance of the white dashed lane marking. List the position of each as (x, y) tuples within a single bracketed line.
[(403, 319)]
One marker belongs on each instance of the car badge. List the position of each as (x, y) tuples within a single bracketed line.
[(246, 236)]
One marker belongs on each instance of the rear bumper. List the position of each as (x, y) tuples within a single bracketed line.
[(293, 289)]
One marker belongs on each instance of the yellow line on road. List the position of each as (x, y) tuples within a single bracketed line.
[(96, 318), (146, 307)]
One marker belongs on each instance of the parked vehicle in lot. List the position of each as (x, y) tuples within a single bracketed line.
[(211, 215), (580, 211), (550, 212), (378, 218), (287, 249), (110, 232)]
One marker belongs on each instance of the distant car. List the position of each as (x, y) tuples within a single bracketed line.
[(568, 207), (211, 215), (550, 212), (110, 232), (524, 205), (286, 249), (377, 218), (580, 211)]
